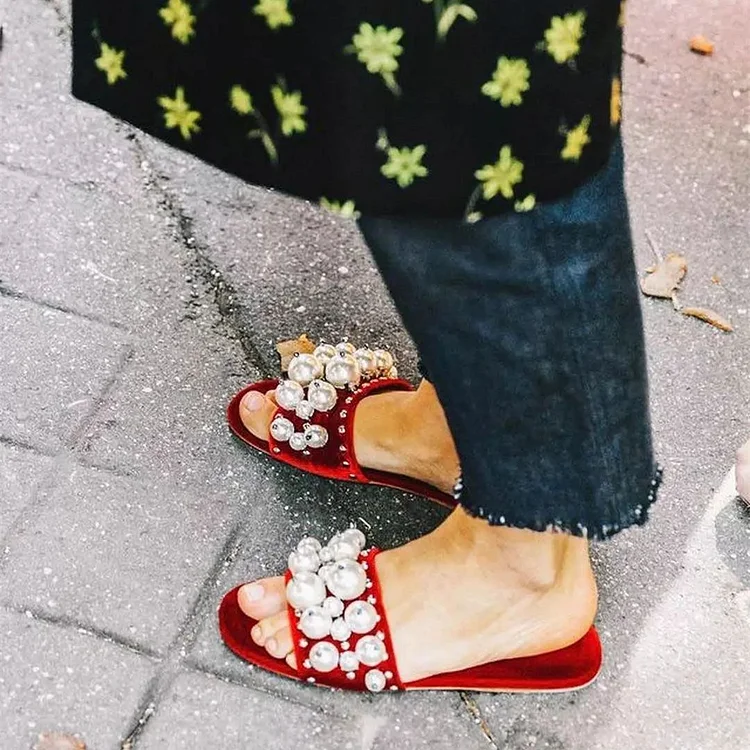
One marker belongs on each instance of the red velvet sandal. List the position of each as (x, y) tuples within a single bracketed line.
[(313, 428), (341, 637)]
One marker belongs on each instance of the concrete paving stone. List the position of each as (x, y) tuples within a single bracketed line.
[(21, 472), (166, 418), (188, 176), (42, 128), (59, 679), (15, 191), (201, 711), (122, 556), (297, 269), (54, 367), (95, 253)]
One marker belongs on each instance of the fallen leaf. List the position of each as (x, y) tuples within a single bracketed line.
[(58, 741), (709, 316), (287, 349), (701, 45), (665, 278)]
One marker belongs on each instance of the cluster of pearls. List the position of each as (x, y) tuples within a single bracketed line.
[(325, 589), (328, 369)]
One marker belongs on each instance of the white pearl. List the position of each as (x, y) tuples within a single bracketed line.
[(316, 436), (315, 623), (332, 605), (281, 429), (322, 395), (340, 631), (309, 543), (370, 650), (304, 409), (375, 680), (305, 590), (342, 371), (346, 549), (366, 361), (304, 368), (289, 394), (348, 661), (325, 353), (345, 347), (347, 580), (324, 657), (325, 572), (393, 373), (303, 562), (384, 359), (356, 536), (361, 617), (326, 554), (297, 441)]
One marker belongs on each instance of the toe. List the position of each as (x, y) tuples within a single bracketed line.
[(279, 644), (256, 411), (263, 598)]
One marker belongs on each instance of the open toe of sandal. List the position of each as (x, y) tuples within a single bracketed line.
[(313, 426), (341, 636)]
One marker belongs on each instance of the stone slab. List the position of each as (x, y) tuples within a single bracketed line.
[(124, 557), (58, 679), (54, 366)]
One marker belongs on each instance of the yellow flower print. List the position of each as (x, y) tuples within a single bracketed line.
[(276, 13), (347, 210), (502, 176), (563, 37), (404, 164), (615, 102), (110, 62), (378, 49), (177, 114), (576, 140), (527, 204), (240, 100), (178, 15), (447, 12), (509, 81), (290, 109)]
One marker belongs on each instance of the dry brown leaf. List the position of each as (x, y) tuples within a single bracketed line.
[(665, 278), (709, 316), (58, 741), (287, 349), (701, 45)]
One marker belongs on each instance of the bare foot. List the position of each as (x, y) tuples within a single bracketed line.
[(400, 432), (464, 595)]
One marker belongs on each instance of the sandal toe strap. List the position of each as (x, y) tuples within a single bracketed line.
[(339, 628), (308, 437)]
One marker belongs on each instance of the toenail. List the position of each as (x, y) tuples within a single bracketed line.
[(253, 401), (271, 644), (256, 633), (254, 592)]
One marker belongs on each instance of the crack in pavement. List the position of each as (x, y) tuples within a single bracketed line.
[(224, 293)]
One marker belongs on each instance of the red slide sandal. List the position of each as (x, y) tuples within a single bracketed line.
[(341, 636), (313, 428)]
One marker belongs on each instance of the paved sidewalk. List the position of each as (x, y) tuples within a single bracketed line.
[(140, 289)]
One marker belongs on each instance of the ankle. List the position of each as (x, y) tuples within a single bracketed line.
[(538, 561)]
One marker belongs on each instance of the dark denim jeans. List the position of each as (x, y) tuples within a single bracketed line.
[(530, 328)]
